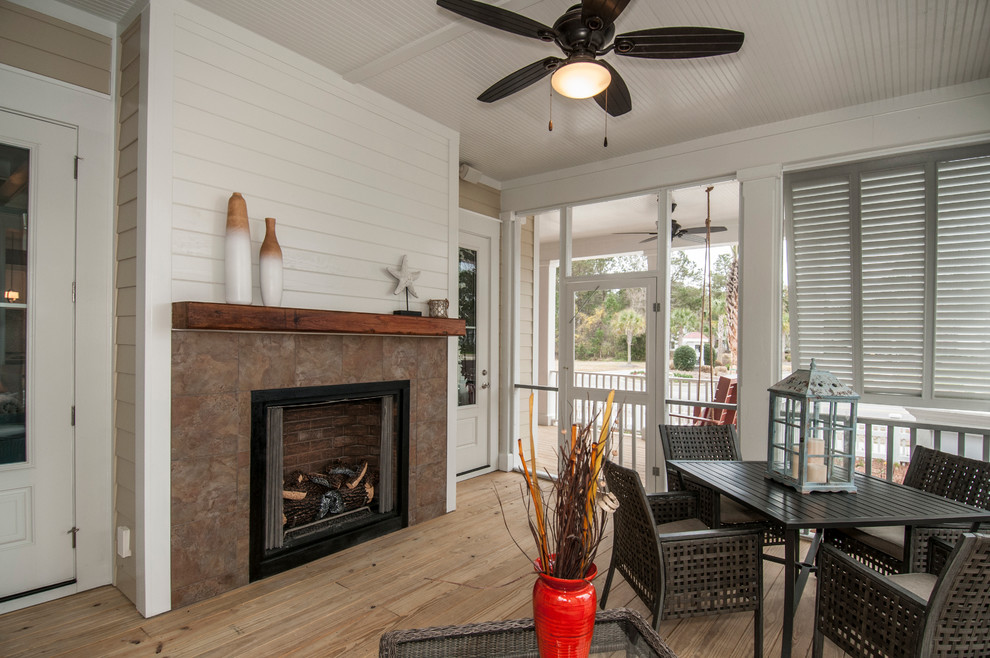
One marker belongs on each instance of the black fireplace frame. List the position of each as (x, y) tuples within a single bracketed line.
[(264, 563)]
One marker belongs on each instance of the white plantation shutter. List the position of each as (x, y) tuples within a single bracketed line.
[(889, 286), (821, 310), (892, 212), (962, 298)]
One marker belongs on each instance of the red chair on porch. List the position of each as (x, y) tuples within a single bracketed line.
[(725, 392)]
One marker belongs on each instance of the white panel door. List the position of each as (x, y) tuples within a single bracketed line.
[(477, 354), (37, 218)]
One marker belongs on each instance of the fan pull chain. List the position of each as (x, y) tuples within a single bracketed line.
[(605, 144), (550, 125)]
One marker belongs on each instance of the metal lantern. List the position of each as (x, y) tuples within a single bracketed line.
[(812, 436)]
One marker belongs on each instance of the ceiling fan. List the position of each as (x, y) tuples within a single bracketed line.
[(693, 234), (584, 33)]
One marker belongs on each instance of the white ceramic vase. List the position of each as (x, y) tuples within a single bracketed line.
[(270, 266), (237, 252)]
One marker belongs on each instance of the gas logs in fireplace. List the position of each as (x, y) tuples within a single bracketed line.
[(338, 489)]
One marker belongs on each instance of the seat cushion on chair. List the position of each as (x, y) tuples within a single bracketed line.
[(886, 538), (732, 513), (921, 584), (685, 525)]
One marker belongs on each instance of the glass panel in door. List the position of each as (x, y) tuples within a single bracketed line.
[(14, 167), (609, 346), (467, 280)]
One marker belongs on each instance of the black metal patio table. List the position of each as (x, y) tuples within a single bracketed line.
[(876, 502)]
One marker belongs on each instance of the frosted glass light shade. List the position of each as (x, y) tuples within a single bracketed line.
[(581, 79)]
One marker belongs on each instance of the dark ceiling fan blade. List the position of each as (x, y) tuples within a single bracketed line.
[(599, 14), (635, 233), (701, 229), (496, 17), (615, 99), (520, 79), (649, 239), (678, 42)]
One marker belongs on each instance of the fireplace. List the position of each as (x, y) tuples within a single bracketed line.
[(329, 469), (217, 364)]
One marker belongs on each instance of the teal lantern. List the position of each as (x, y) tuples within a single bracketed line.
[(812, 434)]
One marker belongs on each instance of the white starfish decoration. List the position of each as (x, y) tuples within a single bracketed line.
[(405, 278)]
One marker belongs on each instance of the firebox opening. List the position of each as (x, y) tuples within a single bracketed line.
[(329, 469)]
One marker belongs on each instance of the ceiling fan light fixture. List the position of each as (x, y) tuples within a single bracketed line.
[(582, 78)]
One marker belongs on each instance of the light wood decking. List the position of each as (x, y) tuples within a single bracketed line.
[(459, 568)]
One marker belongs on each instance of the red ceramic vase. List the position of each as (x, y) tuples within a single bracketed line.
[(564, 612)]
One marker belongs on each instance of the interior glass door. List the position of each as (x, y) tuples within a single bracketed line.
[(13, 305), (37, 446)]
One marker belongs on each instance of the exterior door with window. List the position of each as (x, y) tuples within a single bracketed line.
[(616, 308), (477, 354), (37, 219)]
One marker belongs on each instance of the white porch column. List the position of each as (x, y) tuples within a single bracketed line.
[(509, 340), (760, 288), (152, 542), (544, 338)]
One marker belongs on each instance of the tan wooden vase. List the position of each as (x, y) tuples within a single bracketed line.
[(237, 252), (270, 266)]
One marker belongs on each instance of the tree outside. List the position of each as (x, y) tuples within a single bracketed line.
[(629, 322), (610, 324), (687, 296)]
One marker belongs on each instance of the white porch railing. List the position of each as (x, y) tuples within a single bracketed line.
[(891, 443), (887, 437)]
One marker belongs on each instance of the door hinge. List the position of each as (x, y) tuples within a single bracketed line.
[(656, 307), (72, 413), (73, 292), (75, 168), (656, 471), (73, 531)]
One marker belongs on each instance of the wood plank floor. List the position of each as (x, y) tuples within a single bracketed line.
[(459, 568)]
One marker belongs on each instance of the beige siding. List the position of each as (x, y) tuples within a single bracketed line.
[(125, 290), (480, 198), (47, 46), (353, 186)]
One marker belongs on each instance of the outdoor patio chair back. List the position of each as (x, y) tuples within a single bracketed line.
[(914, 615), (958, 478), (712, 443), (701, 442), (676, 566), (955, 477)]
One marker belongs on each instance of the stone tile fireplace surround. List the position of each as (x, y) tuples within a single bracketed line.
[(213, 374)]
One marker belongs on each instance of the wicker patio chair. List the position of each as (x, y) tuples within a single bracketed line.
[(896, 549), (675, 564), (916, 615), (712, 443)]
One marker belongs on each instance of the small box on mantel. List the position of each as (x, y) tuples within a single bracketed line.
[(812, 434)]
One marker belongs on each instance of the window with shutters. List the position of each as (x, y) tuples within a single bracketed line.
[(889, 276)]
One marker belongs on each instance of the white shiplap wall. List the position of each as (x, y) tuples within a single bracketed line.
[(353, 180)]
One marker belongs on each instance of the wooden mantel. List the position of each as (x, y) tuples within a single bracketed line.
[(235, 317)]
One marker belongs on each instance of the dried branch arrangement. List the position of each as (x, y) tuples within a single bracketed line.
[(568, 522)]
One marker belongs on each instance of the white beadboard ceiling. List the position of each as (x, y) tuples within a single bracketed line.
[(800, 57)]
